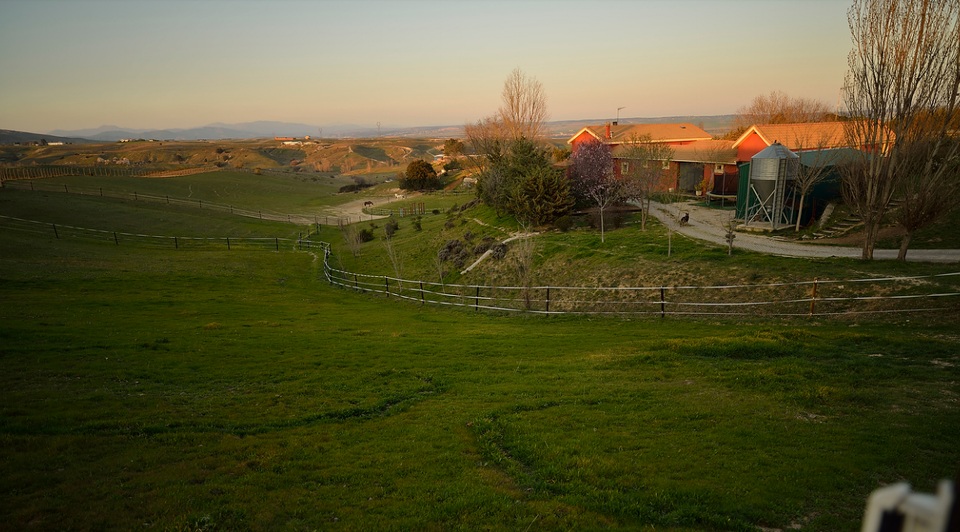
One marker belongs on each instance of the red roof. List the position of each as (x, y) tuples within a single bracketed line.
[(657, 132), (808, 136)]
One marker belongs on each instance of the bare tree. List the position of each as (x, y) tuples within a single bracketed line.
[(487, 139), (814, 167), (927, 195), (778, 108), (395, 256), (593, 178), (353, 239), (645, 173), (901, 91), (526, 251), (524, 106)]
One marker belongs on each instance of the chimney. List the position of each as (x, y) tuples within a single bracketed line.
[(608, 129)]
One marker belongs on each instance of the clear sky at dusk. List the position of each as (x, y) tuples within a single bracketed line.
[(73, 64)]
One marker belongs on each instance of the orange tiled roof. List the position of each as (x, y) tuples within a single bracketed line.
[(809, 136), (658, 132)]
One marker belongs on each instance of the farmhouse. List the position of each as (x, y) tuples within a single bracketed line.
[(698, 159)]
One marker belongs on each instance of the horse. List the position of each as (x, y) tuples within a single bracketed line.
[(368, 204)]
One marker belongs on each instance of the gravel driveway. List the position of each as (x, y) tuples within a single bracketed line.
[(708, 225)]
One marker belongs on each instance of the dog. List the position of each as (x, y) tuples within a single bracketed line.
[(685, 219)]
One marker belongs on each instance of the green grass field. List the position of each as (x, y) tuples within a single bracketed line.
[(203, 389)]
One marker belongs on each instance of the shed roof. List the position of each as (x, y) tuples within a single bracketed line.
[(775, 151)]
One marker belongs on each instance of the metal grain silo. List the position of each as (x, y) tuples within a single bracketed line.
[(770, 172)]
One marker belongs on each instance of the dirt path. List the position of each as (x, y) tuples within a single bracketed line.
[(354, 209)]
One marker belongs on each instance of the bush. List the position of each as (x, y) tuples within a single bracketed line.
[(355, 187), (390, 227), (366, 235), (499, 250), (450, 250), (448, 224), (563, 223), (481, 248), (460, 260), (468, 236), (435, 211)]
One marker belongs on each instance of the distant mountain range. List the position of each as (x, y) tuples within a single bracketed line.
[(716, 124)]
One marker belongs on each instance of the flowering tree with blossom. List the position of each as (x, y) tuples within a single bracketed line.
[(592, 177)]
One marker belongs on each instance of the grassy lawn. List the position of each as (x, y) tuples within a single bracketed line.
[(215, 390)]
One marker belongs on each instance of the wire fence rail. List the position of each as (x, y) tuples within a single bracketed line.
[(796, 299), (124, 238), (262, 214)]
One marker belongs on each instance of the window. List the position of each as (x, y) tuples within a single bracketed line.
[(666, 165), (718, 168), (624, 167)]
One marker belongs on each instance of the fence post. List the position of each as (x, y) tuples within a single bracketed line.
[(228, 243), (277, 241), (662, 306), (101, 192), (231, 209), (548, 299), (31, 186), (201, 203), (476, 302), (65, 188), (168, 200), (423, 297), (176, 243), (55, 231), (117, 242), (386, 283), (261, 214), (813, 296), (355, 283)]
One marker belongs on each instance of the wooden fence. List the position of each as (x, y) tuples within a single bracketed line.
[(815, 297)]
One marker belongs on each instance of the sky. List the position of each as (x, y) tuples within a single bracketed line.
[(73, 64)]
